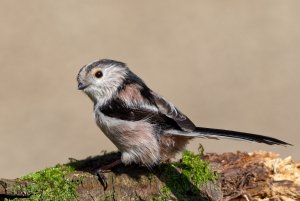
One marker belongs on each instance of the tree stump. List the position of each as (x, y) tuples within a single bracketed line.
[(241, 176)]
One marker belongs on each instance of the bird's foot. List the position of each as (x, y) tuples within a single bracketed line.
[(105, 169), (102, 178)]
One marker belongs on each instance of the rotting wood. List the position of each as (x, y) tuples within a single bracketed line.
[(243, 176)]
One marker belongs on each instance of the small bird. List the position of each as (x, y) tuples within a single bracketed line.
[(144, 126)]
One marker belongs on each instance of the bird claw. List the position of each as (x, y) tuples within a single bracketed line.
[(102, 178), (105, 169)]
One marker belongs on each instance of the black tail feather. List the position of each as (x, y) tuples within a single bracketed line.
[(238, 135)]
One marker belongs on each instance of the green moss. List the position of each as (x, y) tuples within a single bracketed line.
[(196, 169), (184, 178), (50, 184)]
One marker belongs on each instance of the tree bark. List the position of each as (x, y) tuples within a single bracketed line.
[(242, 176)]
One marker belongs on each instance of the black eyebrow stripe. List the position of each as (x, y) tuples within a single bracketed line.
[(104, 62), (93, 65)]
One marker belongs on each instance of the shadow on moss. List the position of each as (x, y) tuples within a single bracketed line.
[(179, 181), (182, 179)]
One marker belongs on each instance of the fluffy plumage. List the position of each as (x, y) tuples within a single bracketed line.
[(144, 126)]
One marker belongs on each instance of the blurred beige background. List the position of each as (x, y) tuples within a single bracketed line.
[(226, 64)]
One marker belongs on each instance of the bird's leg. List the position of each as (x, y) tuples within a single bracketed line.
[(105, 169)]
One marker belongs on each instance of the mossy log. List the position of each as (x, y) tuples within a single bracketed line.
[(241, 176)]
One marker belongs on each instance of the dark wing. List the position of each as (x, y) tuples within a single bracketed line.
[(118, 109), (135, 101), (168, 109)]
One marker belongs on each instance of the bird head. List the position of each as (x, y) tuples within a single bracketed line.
[(101, 79)]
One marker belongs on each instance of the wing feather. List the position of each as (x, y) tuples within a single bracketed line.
[(135, 102), (167, 108)]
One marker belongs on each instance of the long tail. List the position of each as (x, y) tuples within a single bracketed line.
[(212, 132)]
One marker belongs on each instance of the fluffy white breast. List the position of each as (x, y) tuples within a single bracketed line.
[(135, 139)]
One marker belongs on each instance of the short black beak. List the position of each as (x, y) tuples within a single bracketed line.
[(81, 86)]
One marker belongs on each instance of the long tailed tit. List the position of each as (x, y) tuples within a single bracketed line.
[(144, 126)]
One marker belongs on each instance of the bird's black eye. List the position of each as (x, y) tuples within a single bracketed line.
[(98, 74)]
